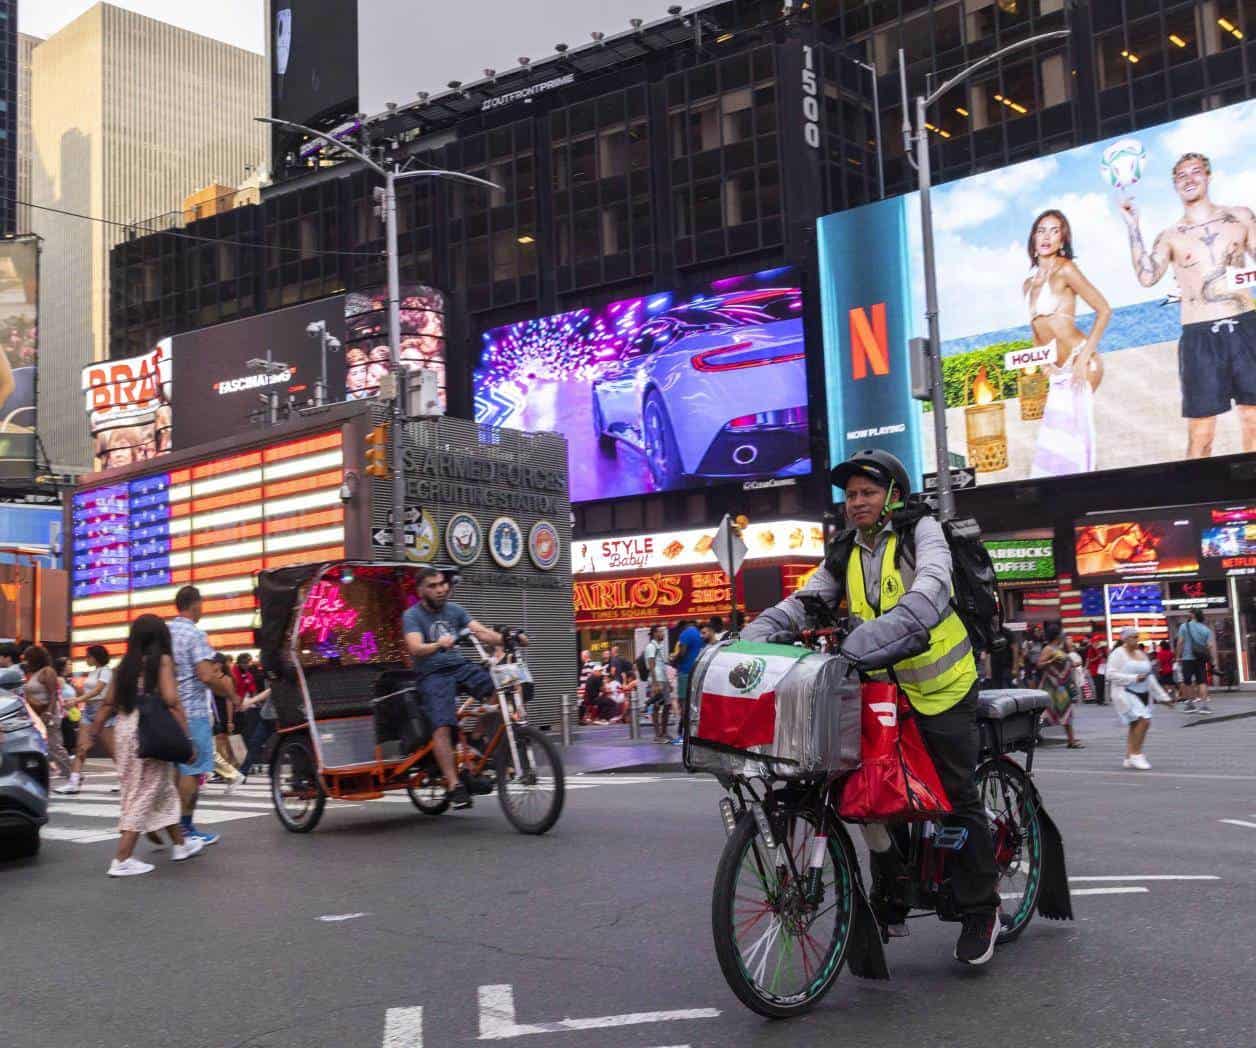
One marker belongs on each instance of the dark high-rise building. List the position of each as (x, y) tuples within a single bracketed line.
[(8, 115)]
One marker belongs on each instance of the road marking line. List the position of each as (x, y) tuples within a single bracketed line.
[(331, 918), (1239, 822), (1040, 768), (60, 833), (497, 1017), (1130, 890), (403, 1028), (204, 813), (1154, 877)]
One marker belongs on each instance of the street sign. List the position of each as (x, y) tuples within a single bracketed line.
[(966, 477), (728, 548)]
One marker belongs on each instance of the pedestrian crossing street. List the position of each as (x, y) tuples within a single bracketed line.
[(91, 816)]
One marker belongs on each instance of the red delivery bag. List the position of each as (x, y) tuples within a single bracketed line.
[(896, 779)]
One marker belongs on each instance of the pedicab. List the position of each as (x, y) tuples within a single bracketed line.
[(350, 723)]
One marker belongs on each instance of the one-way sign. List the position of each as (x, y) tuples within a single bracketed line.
[(960, 479)]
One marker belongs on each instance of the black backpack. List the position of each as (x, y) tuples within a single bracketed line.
[(643, 671), (976, 596)]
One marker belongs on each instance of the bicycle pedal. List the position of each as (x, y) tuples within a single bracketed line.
[(951, 838)]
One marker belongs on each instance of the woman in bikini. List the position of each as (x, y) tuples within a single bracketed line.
[(1066, 439)]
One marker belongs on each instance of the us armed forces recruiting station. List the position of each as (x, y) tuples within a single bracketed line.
[(440, 476)]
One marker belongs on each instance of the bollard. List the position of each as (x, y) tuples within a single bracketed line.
[(634, 713), (566, 720)]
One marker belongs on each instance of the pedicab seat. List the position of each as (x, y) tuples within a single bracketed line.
[(1008, 719)]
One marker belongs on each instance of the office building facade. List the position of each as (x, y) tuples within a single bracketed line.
[(129, 115)]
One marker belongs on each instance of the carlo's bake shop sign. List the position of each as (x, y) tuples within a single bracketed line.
[(669, 549)]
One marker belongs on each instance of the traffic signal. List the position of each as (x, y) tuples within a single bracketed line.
[(377, 451)]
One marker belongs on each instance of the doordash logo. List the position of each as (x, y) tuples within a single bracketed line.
[(869, 342)]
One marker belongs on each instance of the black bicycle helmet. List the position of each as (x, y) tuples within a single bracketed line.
[(879, 466)]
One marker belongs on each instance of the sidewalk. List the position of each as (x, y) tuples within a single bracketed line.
[(608, 749)]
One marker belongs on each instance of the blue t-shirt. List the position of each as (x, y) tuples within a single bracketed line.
[(691, 638), (451, 620), (1195, 640)]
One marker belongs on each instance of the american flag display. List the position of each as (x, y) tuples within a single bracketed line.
[(214, 524)]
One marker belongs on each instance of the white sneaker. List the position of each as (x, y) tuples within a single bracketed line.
[(131, 867), (190, 846), (1138, 761), (231, 786), (76, 781)]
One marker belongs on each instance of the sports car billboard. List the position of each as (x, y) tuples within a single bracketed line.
[(661, 392)]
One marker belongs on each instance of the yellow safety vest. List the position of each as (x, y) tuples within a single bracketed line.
[(936, 679)]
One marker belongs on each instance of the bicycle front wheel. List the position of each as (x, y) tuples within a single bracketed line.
[(780, 938), (1013, 812)]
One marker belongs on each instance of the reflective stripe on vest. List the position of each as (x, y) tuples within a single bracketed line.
[(939, 677)]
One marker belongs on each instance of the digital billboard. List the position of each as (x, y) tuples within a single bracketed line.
[(367, 356), (660, 392), (1145, 546), (214, 523), (1096, 308), (19, 355), (314, 59), (217, 394), (129, 407)]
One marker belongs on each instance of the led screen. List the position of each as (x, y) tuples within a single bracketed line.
[(214, 524), (1095, 307), (1148, 546), (367, 356), (661, 392), (19, 342), (129, 407), (314, 59)]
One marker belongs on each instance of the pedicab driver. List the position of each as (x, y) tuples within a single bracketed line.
[(908, 624), (432, 627)]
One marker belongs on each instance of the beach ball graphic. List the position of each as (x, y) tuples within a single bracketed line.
[(1123, 162)]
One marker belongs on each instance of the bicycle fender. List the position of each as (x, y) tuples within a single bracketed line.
[(1054, 901), (865, 957)]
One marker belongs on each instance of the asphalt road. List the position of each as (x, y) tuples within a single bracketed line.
[(388, 928)]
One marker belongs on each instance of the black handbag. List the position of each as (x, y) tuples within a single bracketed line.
[(159, 734)]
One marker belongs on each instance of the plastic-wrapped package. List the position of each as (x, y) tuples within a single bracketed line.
[(772, 708)]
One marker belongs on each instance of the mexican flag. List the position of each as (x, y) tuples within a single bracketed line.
[(738, 702)]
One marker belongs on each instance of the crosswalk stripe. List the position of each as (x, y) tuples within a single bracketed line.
[(1239, 822), (61, 833), (112, 811)]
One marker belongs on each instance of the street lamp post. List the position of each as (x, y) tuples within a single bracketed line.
[(392, 174), (946, 497)]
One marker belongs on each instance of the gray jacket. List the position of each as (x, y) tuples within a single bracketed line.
[(900, 633)]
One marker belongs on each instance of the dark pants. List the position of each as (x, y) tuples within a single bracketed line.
[(954, 744), (256, 739)]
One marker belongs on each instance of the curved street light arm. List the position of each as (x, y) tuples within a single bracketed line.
[(964, 74), (457, 176), (325, 137)]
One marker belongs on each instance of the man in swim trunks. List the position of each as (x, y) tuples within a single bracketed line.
[(1217, 351)]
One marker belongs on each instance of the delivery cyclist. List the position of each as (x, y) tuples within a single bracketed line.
[(432, 627), (908, 624)]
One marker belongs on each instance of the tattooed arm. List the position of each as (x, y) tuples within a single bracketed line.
[(1149, 266)]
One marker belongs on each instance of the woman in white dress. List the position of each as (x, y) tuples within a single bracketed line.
[(1132, 687), (1066, 438)]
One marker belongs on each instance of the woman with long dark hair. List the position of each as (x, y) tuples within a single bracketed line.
[(43, 692), (1066, 438), (149, 798), (1057, 671), (93, 696)]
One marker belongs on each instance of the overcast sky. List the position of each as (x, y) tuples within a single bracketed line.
[(237, 22)]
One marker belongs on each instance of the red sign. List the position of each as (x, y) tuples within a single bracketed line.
[(651, 598), (869, 341)]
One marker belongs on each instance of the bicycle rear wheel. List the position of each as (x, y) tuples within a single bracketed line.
[(781, 940), (1011, 805)]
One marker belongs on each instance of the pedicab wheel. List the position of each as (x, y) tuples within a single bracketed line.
[(531, 795), (1012, 807), (430, 798), (781, 941), (295, 787)]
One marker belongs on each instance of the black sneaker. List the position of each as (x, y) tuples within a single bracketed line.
[(478, 785), (459, 797), (976, 940)]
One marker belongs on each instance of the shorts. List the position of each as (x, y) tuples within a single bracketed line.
[(1166, 679), (438, 692), (658, 693), (682, 686), (220, 715), (1130, 707), (1194, 671), (1217, 365), (201, 732)]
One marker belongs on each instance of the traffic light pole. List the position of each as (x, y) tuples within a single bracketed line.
[(392, 174), (398, 413)]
